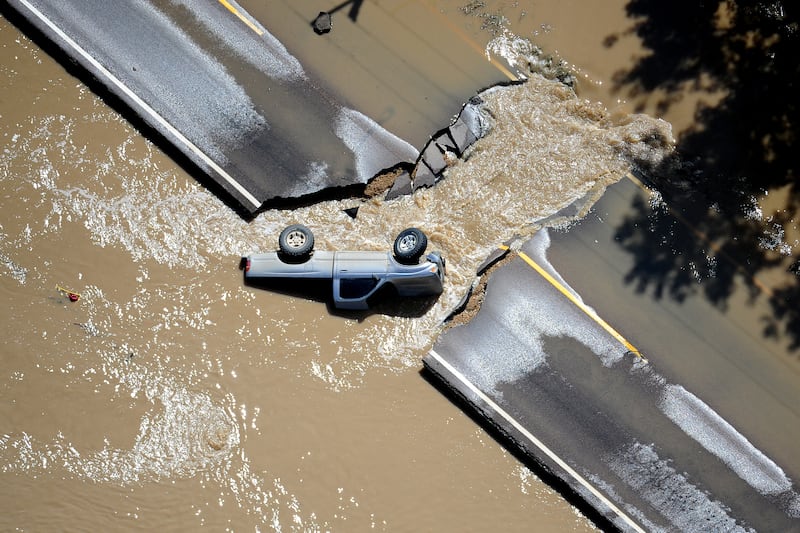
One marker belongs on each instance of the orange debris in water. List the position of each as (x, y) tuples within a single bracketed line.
[(72, 295)]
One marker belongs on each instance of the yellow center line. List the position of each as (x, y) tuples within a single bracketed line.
[(241, 16), (582, 306), (475, 46)]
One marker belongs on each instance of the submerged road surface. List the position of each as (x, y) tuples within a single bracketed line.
[(655, 441), (213, 82)]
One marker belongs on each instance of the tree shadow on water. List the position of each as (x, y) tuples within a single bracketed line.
[(737, 151)]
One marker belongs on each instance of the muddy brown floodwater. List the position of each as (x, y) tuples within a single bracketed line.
[(171, 396)]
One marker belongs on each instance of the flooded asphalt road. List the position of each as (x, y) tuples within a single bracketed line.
[(219, 92), (172, 396), (630, 428)]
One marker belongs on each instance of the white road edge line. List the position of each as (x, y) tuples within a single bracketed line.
[(149, 110), (536, 442)]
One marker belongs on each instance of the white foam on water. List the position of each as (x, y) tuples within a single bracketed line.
[(186, 433), (128, 200), (17, 272), (508, 183), (773, 233), (526, 58)]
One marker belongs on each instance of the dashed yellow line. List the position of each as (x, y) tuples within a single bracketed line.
[(241, 16), (582, 306)]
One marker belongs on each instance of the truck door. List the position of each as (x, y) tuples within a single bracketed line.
[(356, 277)]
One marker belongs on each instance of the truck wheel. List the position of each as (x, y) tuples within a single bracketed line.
[(296, 241), (410, 245)]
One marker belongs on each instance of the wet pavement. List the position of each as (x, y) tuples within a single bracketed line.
[(219, 88), (659, 415), (227, 95)]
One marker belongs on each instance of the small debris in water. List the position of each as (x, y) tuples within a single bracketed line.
[(72, 295), (323, 23)]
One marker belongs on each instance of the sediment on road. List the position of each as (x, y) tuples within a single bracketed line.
[(473, 300)]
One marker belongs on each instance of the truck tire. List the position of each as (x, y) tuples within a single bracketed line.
[(409, 245), (296, 241)]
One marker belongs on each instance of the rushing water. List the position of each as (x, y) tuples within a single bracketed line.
[(171, 395)]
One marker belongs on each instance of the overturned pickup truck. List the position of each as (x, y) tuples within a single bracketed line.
[(357, 276)]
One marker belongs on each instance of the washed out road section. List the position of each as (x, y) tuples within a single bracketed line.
[(229, 98), (651, 443)]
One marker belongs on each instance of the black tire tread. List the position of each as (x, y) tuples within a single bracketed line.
[(413, 255), (292, 251)]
